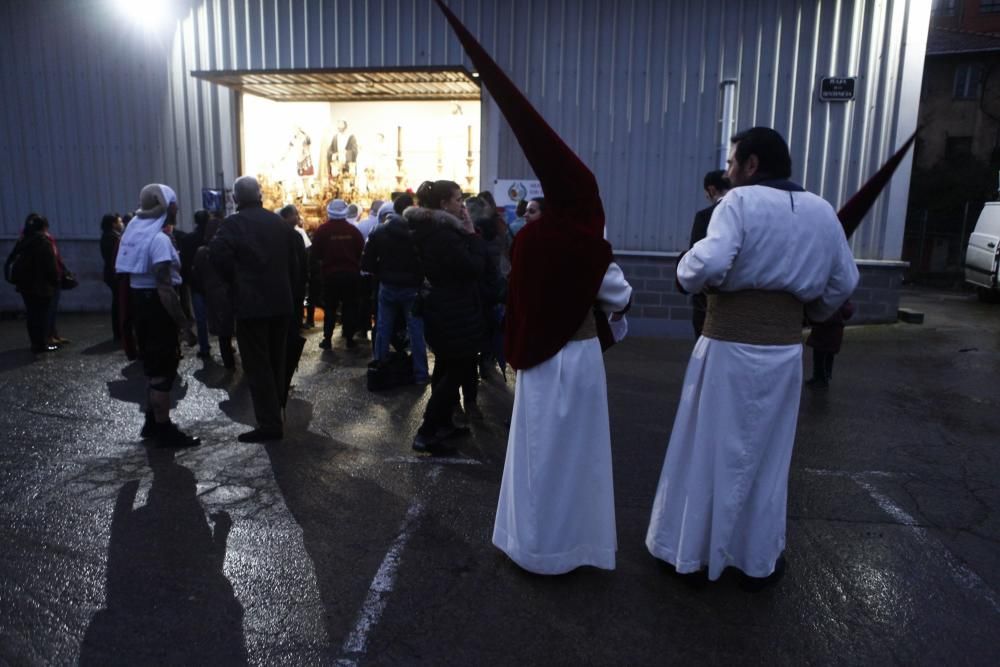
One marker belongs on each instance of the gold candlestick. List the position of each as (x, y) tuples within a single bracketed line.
[(469, 160), (399, 158)]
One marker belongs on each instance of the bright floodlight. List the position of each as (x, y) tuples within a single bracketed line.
[(145, 12)]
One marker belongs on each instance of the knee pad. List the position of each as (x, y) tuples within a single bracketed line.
[(163, 384)]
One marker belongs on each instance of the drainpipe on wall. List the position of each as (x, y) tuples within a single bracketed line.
[(727, 119)]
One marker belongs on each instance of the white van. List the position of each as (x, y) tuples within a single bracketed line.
[(983, 253)]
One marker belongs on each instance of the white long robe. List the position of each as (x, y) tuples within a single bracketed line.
[(557, 509), (721, 499)]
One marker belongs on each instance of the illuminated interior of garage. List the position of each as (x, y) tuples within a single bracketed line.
[(360, 135)]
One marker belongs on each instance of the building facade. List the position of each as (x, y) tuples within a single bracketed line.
[(647, 92), (957, 158)]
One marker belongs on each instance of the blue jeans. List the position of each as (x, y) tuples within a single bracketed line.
[(390, 301)]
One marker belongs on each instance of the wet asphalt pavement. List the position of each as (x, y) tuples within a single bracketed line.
[(338, 546)]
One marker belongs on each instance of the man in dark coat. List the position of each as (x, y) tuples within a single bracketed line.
[(716, 185), (257, 252)]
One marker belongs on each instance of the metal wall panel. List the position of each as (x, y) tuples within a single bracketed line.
[(632, 85)]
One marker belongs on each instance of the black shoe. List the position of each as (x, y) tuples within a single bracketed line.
[(756, 584), (171, 436), (433, 444), (423, 443), (205, 355), (325, 344), (260, 435), (44, 348)]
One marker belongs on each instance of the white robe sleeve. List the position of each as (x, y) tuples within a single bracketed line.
[(840, 286), (709, 260), (615, 291), (613, 296)]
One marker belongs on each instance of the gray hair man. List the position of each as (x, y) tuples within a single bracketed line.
[(258, 253)]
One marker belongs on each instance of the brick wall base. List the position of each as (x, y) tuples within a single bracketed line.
[(658, 309)]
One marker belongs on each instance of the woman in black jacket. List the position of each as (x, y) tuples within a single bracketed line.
[(36, 278), (111, 235), (451, 307)]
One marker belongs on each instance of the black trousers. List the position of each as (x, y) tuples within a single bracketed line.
[(341, 290), (115, 309), (447, 377), (37, 315), (470, 383), (155, 333), (823, 364), (262, 348)]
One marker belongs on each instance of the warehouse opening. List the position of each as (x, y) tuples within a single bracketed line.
[(360, 134)]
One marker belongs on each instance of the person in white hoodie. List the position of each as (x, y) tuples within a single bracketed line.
[(147, 254)]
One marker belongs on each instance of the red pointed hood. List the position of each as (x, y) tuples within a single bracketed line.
[(569, 186), (853, 212), (559, 261)]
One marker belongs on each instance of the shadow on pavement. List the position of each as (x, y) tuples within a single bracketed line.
[(132, 387), (106, 347), (14, 359), (167, 599)]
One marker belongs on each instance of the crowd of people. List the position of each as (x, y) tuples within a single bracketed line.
[(36, 269), (417, 270), (441, 269)]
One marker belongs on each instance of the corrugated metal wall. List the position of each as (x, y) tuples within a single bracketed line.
[(101, 106)]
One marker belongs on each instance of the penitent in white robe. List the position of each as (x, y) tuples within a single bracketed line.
[(721, 499), (557, 509)]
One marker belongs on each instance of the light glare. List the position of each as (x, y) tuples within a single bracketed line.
[(144, 12)]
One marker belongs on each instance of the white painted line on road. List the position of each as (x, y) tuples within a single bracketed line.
[(844, 473), (884, 503), (385, 578), (436, 460), (959, 571)]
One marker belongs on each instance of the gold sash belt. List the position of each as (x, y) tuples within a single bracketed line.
[(755, 317), (588, 329)]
